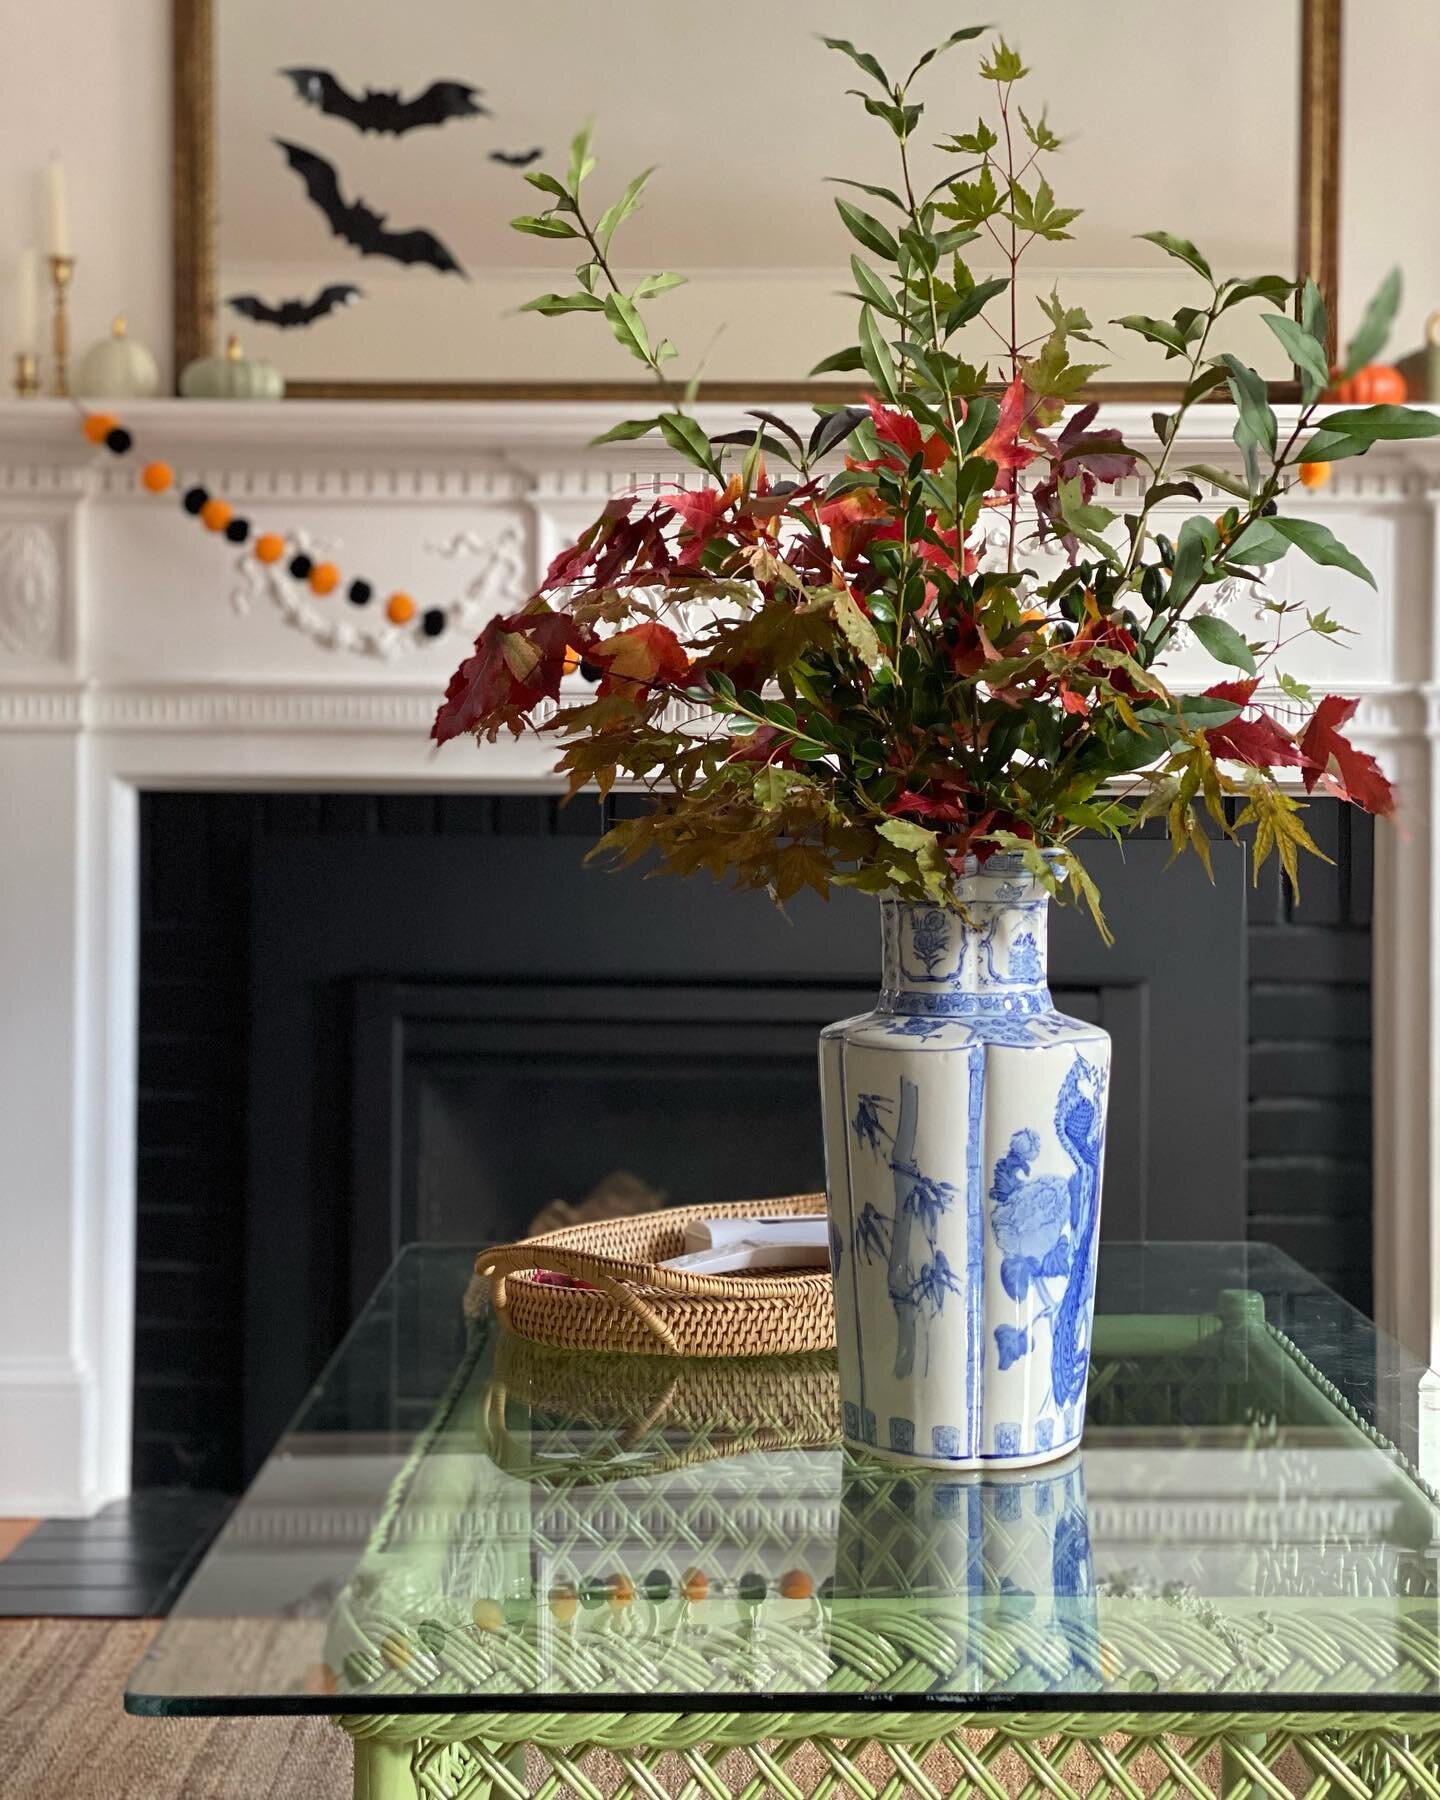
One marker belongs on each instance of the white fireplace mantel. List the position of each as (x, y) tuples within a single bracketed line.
[(137, 651)]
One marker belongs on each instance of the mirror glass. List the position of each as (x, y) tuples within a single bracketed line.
[(745, 114)]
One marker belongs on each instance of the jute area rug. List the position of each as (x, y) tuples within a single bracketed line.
[(64, 1734)]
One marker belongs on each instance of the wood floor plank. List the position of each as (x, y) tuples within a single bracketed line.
[(13, 1533)]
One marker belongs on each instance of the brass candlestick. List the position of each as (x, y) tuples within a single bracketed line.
[(62, 269), (27, 375)]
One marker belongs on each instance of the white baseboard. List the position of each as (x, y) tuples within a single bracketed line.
[(46, 1438)]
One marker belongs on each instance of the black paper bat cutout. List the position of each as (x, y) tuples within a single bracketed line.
[(383, 110), (290, 313), (356, 223), (516, 159)]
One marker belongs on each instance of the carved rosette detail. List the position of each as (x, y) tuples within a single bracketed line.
[(29, 590)]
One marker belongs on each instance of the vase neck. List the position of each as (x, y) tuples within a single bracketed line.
[(984, 952)]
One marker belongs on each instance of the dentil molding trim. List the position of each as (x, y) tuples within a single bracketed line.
[(262, 707), (456, 452)]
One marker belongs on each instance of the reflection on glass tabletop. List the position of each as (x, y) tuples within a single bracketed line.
[(462, 1521)]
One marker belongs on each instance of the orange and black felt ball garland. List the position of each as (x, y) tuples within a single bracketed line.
[(217, 515)]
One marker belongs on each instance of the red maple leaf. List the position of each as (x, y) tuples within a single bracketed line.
[(855, 520), (1070, 701), (766, 744), (1003, 446), (903, 432), (635, 660), (518, 661), (700, 512), (570, 564), (949, 554), (1261, 742), (946, 803), (1356, 775)]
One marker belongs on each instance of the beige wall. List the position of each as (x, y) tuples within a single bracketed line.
[(90, 78)]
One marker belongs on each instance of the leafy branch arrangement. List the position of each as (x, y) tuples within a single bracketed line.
[(949, 645)]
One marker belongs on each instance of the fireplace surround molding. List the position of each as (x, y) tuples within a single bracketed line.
[(137, 652)]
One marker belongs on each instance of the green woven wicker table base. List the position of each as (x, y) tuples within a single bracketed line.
[(468, 1548), (1077, 1756)]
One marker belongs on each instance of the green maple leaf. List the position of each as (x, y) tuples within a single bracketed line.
[(1039, 133), (1038, 214), (1052, 374), (1004, 64), (1070, 321), (972, 202), (971, 143)]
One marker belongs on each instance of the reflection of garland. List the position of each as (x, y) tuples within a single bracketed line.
[(268, 547)]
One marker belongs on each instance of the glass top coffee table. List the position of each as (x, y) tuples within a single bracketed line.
[(508, 1569)]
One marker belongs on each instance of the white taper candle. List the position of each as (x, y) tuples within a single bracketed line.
[(27, 303), (59, 209)]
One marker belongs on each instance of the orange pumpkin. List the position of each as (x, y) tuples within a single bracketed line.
[(1377, 384)]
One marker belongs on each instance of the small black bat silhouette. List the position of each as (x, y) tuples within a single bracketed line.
[(290, 313), (516, 159), (385, 111), (356, 223)]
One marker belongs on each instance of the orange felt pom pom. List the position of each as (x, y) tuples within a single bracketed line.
[(694, 1584), (795, 1584), (98, 427), (269, 547), (216, 514), (324, 578), (1315, 474), (570, 660), (399, 609), (156, 477)]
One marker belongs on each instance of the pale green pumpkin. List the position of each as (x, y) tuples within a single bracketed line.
[(233, 376), (117, 368)]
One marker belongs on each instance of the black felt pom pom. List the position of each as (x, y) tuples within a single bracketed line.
[(360, 593), (194, 499), (300, 566), (119, 440), (433, 622), (753, 1588), (590, 672), (238, 530)]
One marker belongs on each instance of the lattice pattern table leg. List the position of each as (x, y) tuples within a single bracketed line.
[(1029, 1758), (385, 1771)]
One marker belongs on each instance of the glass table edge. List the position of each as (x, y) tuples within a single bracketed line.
[(809, 1704)]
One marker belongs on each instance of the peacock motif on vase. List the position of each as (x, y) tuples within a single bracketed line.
[(1045, 1227)]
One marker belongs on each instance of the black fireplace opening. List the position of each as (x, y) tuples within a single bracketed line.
[(372, 1019)]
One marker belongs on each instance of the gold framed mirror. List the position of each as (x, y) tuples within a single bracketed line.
[(742, 166)]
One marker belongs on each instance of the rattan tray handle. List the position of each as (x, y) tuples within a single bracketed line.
[(612, 1276), (616, 1278)]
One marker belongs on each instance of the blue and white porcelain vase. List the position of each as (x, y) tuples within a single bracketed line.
[(964, 1137)]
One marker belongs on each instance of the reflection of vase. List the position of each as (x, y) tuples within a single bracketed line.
[(996, 1561), (964, 1128)]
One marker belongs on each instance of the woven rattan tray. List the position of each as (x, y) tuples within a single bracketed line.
[(630, 1304)]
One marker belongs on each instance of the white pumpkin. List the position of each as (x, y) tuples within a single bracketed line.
[(232, 376), (117, 368)]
